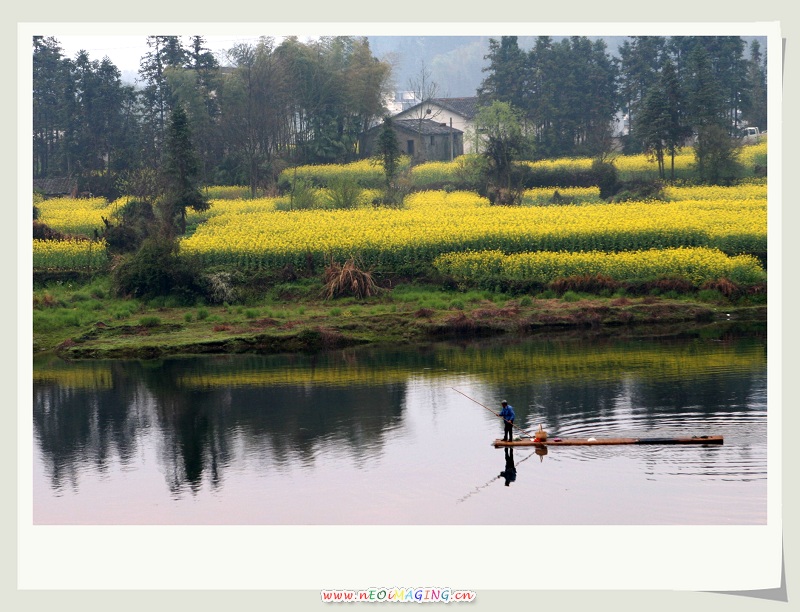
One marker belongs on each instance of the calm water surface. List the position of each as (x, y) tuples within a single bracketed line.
[(381, 436)]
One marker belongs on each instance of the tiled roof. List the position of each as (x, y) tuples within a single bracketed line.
[(425, 127), (51, 186), (466, 107)]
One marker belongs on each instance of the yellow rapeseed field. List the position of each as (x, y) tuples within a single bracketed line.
[(435, 222), (722, 222), (76, 215), (697, 265), (367, 172), (69, 254)]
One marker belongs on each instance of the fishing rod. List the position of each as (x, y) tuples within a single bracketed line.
[(528, 435)]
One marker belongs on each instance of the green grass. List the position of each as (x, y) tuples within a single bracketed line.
[(74, 313)]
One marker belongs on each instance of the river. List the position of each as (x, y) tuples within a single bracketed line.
[(402, 436)]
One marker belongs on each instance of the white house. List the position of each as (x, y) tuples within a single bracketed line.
[(456, 112)]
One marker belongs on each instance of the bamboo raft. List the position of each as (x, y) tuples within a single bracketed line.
[(556, 441)]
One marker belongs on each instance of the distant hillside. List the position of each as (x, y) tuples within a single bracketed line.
[(455, 63)]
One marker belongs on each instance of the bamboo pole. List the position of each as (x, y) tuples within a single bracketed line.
[(490, 410)]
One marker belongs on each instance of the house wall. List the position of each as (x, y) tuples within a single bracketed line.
[(424, 147), (442, 115)]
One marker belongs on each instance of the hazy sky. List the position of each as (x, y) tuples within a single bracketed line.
[(126, 52), (129, 45)]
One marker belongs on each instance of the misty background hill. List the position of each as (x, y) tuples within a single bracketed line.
[(455, 63)]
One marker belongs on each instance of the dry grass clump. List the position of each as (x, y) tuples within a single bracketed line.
[(586, 283), (724, 286), (348, 280)]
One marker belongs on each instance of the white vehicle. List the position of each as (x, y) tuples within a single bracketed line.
[(751, 135)]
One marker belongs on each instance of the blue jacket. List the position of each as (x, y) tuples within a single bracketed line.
[(507, 413)]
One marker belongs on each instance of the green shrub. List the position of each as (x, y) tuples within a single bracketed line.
[(124, 312), (149, 321), (343, 192), (202, 313), (303, 196), (135, 221), (606, 177), (156, 270), (639, 191)]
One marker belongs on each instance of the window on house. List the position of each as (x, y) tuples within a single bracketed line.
[(410, 147)]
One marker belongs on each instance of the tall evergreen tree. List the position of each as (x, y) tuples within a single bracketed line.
[(180, 174), (196, 87), (652, 124), (541, 105), (705, 102), (730, 69), (641, 58), (505, 79), (388, 152), (572, 99), (755, 110), (660, 125), (52, 88), (715, 150), (165, 52), (678, 129)]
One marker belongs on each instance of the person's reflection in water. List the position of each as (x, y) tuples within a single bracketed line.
[(510, 473)]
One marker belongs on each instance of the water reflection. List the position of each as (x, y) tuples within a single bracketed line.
[(509, 473), (346, 417), (199, 427)]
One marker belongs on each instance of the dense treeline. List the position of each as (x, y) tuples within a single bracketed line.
[(276, 104), (669, 90), (297, 102)]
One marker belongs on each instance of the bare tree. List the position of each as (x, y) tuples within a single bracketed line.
[(425, 89)]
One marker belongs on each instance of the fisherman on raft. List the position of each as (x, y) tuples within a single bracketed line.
[(507, 414)]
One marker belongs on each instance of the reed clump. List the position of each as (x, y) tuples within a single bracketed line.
[(348, 280)]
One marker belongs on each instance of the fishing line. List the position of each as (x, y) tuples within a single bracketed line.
[(483, 486), (524, 431)]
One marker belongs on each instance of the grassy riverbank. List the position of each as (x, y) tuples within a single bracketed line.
[(84, 320)]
